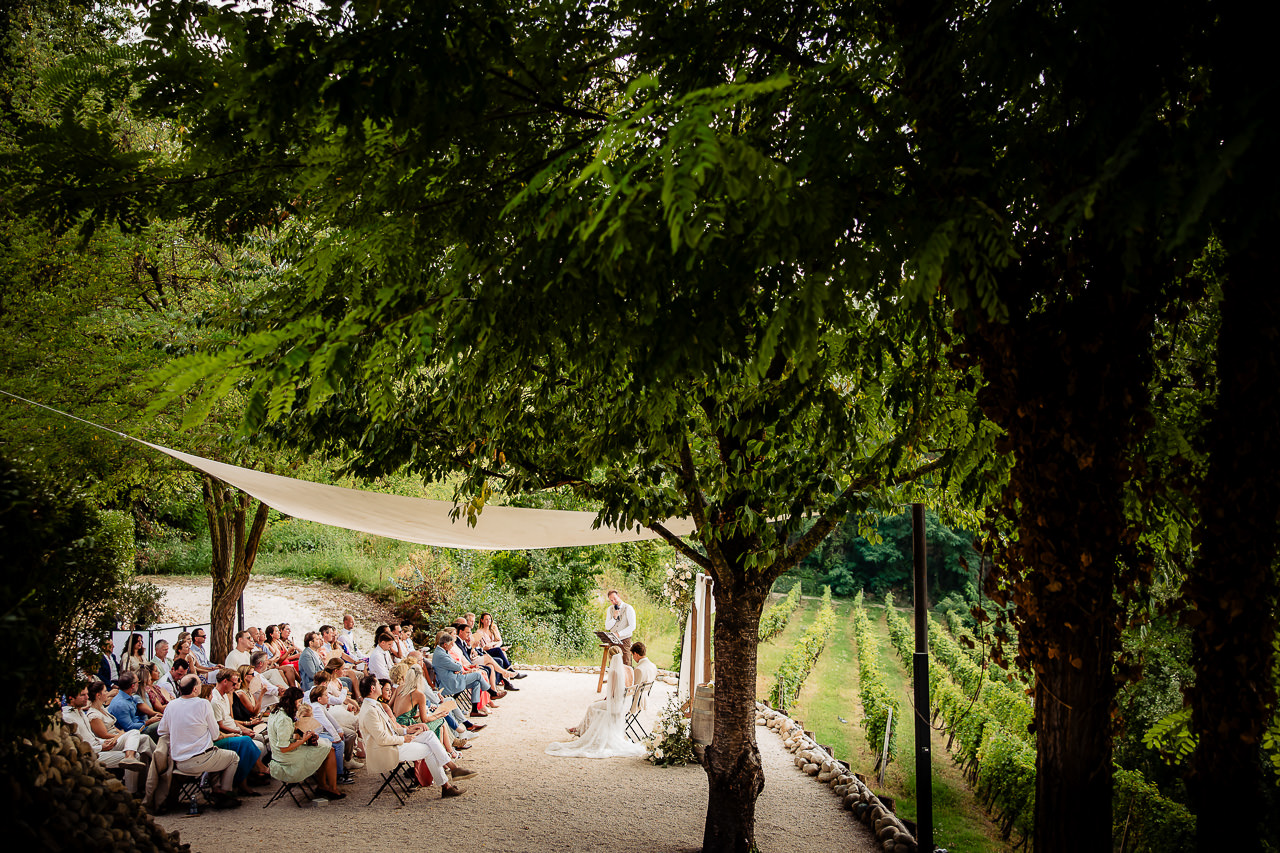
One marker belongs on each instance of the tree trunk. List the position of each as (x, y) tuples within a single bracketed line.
[(1068, 385), (1232, 589), (734, 774), (234, 550)]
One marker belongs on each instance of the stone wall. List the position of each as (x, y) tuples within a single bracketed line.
[(891, 833)]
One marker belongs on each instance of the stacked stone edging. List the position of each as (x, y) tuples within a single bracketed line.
[(890, 831)]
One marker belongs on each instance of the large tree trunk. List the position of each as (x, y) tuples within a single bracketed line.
[(1068, 384), (734, 774), (234, 550), (1232, 590)]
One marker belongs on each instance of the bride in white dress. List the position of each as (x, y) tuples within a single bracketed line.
[(602, 732)]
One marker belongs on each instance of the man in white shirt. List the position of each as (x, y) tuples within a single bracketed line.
[(646, 670), (347, 636), (620, 618), (380, 662), (191, 727), (244, 647), (238, 738)]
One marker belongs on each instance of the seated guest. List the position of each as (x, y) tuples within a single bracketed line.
[(235, 736), (386, 744), (247, 705), (122, 749), (336, 666), (150, 688), (271, 682), (182, 652), (135, 653), (108, 665), (332, 648), (454, 678), (409, 704), (296, 755), (179, 669), (279, 659), (457, 721), (286, 651), (161, 659), (341, 684), (311, 660), (344, 745), (191, 728), (131, 713), (259, 639), (398, 647), (498, 674), (347, 637), (380, 661), (240, 654), (200, 663), (489, 639), (406, 637)]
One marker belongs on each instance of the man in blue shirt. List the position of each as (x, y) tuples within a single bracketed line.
[(131, 713)]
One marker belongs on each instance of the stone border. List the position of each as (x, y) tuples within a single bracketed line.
[(812, 759)]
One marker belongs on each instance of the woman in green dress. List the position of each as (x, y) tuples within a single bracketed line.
[(296, 755), (410, 705)]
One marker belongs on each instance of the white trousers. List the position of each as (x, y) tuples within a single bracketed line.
[(427, 747)]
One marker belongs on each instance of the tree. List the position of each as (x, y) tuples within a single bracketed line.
[(695, 354)]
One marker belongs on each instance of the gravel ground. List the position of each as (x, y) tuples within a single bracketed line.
[(523, 800)]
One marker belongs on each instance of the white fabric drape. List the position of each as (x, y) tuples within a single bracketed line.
[(693, 654), (498, 528)]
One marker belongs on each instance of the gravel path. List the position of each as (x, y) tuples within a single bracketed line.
[(523, 800)]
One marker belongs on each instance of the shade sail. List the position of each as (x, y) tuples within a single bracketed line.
[(427, 522)]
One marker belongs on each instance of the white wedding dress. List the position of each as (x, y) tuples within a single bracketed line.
[(602, 733)]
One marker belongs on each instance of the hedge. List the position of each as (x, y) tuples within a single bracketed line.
[(776, 617)]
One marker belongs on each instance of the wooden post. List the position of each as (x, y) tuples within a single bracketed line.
[(920, 673), (706, 629)]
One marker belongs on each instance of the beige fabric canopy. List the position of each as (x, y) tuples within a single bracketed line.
[(497, 528)]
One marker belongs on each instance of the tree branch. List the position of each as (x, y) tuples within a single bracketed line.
[(680, 545)]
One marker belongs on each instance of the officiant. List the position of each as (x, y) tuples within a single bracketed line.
[(620, 620)]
